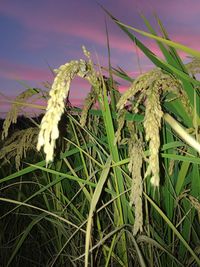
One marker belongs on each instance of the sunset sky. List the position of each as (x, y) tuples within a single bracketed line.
[(42, 33)]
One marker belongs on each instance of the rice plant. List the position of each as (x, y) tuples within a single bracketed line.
[(117, 185)]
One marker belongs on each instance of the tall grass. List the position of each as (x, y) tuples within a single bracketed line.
[(123, 187)]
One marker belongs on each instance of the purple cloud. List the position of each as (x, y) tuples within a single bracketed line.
[(16, 71), (35, 31)]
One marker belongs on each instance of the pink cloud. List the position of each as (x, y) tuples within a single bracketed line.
[(124, 88), (76, 20), (56, 20), (60, 22), (178, 9), (77, 102), (183, 10), (55, 24), (6, 103), (189, 39), (16, 71)]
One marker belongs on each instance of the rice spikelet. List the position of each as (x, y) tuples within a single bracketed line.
[(59, 91), (147, 90), (168, 83), (193, 67), (152, 124), (56, 104), (195, 203), (140, 84), (134, 166), (18, 145), (88, 102), (121, 122), (12, 115)]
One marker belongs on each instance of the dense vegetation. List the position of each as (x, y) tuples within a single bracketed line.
[(117, 185)]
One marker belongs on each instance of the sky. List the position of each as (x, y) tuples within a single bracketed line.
[(43, 34)]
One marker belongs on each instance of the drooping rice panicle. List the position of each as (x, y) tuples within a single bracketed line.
[(18, 145), (168, 83), (88, 102), (135, 166), (193, 67), (121, 122), (138, 85), (58, 93), (56, 104), (13, 113), (195, 203), (147, 90), (152, 123)]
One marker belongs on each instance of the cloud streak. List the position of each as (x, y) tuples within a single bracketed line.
[(56, 30), (64, 21), (17, 71)]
